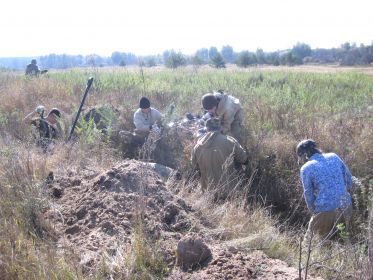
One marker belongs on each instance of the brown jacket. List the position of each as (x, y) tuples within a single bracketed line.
[(214, 155), (230, 113)]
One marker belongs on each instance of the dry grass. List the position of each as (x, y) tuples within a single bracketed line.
[(235, 223)]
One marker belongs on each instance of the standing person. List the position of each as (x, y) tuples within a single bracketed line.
[(215, 155), (146, 119), (228, 109), (32, 69), (326, 181)]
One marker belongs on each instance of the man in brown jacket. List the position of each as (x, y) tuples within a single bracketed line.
[(215, 156), (228, 109)]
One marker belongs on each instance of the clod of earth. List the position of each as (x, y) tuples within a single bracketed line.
[(192, 251)]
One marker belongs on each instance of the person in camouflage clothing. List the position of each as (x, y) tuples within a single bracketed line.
[(45, 130), (228, 109), (216, 156)]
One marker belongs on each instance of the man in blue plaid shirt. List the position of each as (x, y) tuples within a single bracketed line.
[(326, 181)]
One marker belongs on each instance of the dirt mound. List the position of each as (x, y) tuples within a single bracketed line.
[(228, 264), (97, 213)]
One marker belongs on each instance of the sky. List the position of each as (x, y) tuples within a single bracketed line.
[(145, 27)]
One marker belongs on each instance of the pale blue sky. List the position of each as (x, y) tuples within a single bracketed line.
[(40, 27)]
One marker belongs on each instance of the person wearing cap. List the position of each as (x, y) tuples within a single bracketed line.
[(146, 116), (32, 69), (215, 156), (45, 129), (326, 182), (228, 109)]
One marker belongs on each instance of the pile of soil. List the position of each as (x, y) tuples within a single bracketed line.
[(97, 212)]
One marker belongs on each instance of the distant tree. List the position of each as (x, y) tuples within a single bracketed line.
[(141, 62), (91, 60), (212, 52), (260, 56), (175, 60), (197, 60), (166, 55), (202, 55), (287, 59), (245, 59), (150, 62), (217, 61), (116, 58), (300, 51), (227, 53), (273, 58), (122, 63)]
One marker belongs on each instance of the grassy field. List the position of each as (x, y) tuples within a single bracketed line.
[(283, 106)]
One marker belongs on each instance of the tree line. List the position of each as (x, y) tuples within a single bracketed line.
[(301, 53)]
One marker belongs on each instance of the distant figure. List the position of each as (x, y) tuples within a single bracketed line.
[(32, 69), (45, 130), (228, 109), (216, 156), (326, 181)]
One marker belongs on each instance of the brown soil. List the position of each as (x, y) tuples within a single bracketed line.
[(95, 212)]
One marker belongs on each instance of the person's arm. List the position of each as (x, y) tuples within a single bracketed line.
[(38, 110), (308, 189), (139, 123), (226, 120)]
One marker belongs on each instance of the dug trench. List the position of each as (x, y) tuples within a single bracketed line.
[(96, 213)]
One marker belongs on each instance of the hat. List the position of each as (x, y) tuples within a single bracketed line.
[(144, 103), (209, 101), (55, 112), (213, 124)]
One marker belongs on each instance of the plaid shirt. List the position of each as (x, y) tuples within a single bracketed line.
[(326, 181)]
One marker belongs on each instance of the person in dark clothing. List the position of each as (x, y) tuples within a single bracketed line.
[(32, 69)]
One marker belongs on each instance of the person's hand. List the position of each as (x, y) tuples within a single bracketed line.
[(39, 109)]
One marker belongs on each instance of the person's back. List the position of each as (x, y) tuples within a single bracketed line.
[(330, 179), (326, 181), (214, 155), (32, 69)]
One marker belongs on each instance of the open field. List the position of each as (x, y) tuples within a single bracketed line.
[(332, 105)]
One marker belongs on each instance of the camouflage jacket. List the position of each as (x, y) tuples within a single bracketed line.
[(228, 110), (214, 156), (42, 129)]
